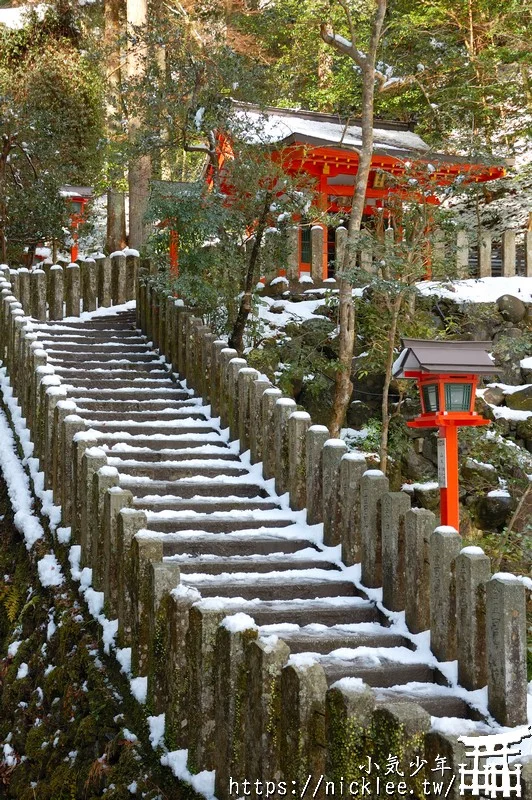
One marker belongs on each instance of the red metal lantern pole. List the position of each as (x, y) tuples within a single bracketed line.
[(448, 476)]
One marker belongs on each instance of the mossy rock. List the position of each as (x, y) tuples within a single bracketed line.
[(521, 400)]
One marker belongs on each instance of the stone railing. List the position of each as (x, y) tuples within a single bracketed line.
[(55, 292), (271, 717)]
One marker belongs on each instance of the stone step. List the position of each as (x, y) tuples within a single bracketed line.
[(110, 368), (109, 337), (205, 565), (261, 588), (106, 324), (95, 404), (214, 506), (142, 416), (129, 375), (180, 489), (136, 428), (385, 674), (328, 611), (436, 705), (325, 641), (160, 445), (128, 394), (227, 545), (214, 524), (101, 356), (80, 346), (97, 383), (159, 456)]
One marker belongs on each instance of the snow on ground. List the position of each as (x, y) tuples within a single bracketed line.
[(14, 17), (479, 290)]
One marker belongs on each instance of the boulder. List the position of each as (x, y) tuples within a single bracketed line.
[(430, 447), (482, 408), (478, 476), (524, 428), (493, 511), (521, 400), (494, 395), (277, 308), (417, 468), (511, 308), (427, 496), (358, 414)]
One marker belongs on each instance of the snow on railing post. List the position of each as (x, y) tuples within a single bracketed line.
[(303, 690), (215, 371), (331, 456), (419, 526), (73, 290), (246, 376), (89, 284), (114, 501), (444, 547), (349, 706), (52, 396), (62, 410), (24, 289), (472, 571), (38, 294), (131, 271), (373, 486), (317, 244), (484, 255), (395, 506), (292, 253), (55, 292), (105, 478), (506, 649), (317, 435), (232, 395), (298, 424), (164, 577), (105, 276), (508, 253), (72, 425), (283, 408), (462, 254), (264, 662), (118, 285), (206, 364), (130, 522), (226, 355), (94, 458), (198, 706), (352, 467), (258, 387), (528, 254), (230, 694)]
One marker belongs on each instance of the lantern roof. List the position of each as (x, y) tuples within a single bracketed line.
[(444, 357)]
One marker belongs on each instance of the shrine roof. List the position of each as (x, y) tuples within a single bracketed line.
[(274, 126), (444, 357)]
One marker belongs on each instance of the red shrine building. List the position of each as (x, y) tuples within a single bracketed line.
[(326, 147)]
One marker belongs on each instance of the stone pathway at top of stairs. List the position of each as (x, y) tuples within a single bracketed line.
[(232, 536)]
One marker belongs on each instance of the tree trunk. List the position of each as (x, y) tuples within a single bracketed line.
[(236, 340), (139, 173), (346, 312), (385, 407), (116, 220), (116, 201)]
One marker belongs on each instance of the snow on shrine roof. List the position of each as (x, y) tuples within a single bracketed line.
[(447, 357), (75, 191), (275, 125)]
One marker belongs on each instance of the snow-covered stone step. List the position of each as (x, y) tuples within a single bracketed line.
[(184, 489), (63, 334), (73, 374), (96, 382), (143, 404), (431, 699), (328, 611), (255, 564), (326, 640), (217, 522), (377, 671), (119, 367), (204, 452), (129, 444), (205, 505), (186, 412), (283, 587), (80, 345), (127, 393), (187, 469), (230, 544), (90, 357)]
